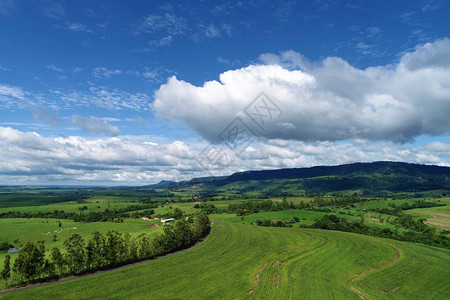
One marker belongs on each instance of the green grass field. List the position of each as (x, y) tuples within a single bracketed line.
[(43, 230), (241, 261)]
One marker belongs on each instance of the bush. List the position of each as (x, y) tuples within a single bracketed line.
[(5, 246)]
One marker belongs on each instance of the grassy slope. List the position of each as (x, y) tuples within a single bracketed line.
[(316, 264), (421, 273)]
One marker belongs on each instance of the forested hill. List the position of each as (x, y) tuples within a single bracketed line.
[(375, 168), (376, 178)]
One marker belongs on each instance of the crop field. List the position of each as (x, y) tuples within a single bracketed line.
[(436, 216), (240, 261)]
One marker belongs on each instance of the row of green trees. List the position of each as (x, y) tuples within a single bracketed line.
[(104, 216), (251, 207), (100, 252), (397, 209)]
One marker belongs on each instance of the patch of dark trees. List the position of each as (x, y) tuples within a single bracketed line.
[(277, 223), (101, 252), (252, 207), (5, 246), (397, 209)]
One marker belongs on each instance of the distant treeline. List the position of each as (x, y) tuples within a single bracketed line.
[(15, 199), (397, 209), (100, 252), (108, 215), (421, 234), (317, 204)]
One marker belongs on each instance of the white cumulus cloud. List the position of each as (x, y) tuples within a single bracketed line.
[(30, 157), (326, 101)]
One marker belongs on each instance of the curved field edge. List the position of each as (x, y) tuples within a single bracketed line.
[(299, 264), (379, 267), (421, 272)]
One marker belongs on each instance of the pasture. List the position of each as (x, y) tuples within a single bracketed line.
[(19, 231)]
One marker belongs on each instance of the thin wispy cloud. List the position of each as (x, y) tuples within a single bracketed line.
[(94, 125), (53, 68), (46, 116), (76, 27), (102, 72), (432, 5), (164, 41), (167, 23), (54, 10)]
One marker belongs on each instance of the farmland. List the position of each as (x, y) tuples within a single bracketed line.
[(437, 216), (285, 263), (20, 231), (268, 239)]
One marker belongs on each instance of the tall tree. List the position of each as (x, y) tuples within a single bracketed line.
[(76, 254), (201, 225), (96, 251), (145, 247), (28, 265), (114, 247), (6, 272), (58, 260)]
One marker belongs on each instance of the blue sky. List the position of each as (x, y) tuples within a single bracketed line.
[(85, 88)]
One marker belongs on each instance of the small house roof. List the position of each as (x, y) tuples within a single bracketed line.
[(167, 220)]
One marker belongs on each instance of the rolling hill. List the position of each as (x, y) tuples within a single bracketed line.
[(375, 179), (240, 261)]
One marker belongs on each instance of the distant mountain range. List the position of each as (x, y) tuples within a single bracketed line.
[(376, 178)]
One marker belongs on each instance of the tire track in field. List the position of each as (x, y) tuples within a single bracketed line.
[(256, 281), (260, 270), (276, 281), (311, 239), (390, 262)]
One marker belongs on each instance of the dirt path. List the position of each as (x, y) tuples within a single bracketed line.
[(71, 278), (256, 281), (358, 292)]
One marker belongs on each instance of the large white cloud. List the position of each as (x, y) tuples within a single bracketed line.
[(31, 158), (326, 101)]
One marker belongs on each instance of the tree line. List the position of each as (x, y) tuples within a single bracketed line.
[(100, 252), (397, 209), (108, 215), (253, 207)]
